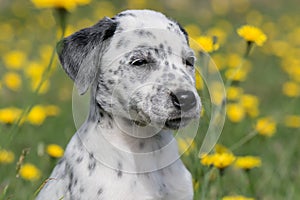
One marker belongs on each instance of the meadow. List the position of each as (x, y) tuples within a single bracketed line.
[(255, 46)]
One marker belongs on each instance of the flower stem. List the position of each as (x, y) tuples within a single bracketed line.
[(250, 182), (62, 20), (243, 140), (220, 181), (206, 183), (248, 48)]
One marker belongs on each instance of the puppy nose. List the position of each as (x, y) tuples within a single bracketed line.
[(184, 100)]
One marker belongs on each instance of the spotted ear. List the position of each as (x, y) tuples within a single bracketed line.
[(80, 53)]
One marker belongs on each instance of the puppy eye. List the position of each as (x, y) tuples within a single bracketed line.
[(190, 61), (139, 62)]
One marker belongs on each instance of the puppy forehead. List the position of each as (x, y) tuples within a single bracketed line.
[(146, 28), (151, 37), (135, 19)]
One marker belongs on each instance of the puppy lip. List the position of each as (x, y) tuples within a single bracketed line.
[(176, 123)]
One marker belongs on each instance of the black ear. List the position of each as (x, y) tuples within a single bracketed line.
[(80, 53)]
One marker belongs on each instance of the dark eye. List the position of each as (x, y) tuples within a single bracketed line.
[(190, 61), (139, 62)]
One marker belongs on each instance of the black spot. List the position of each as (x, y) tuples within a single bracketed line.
[(70, 186), (111, 82), (169, 50), (92, 163), (75, 181), (79, 159), (109, 116), (100, 191), (110, 31), (142, 143), (119, 171), (174, 67), (183, 60), (101, 114), (156, 51), (101, 83), (126, 14), (184, 32), (122, 43), (110, 124), (144, 33), (166, 63), (61, 161), (71, 176), (81, 190)]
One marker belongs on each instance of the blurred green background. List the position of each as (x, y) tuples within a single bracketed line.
[(270, 78)]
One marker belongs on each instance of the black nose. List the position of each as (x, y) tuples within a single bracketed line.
[(183, 100)]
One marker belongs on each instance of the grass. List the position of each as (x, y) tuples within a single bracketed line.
[(34, 33)]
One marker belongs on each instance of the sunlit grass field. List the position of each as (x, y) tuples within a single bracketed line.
[(262, 86)]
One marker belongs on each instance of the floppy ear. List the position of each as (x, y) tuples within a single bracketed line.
[(80, 53)]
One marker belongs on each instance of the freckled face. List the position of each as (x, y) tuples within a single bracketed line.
[(139, 72)]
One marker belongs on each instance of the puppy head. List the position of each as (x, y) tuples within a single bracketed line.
[(140, 66)]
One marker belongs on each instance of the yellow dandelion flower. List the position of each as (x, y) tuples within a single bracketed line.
[(234, 93), (7, 31), (235, 112), (250, 103), (65, 4), (234, 60), (219, 60), (37, 115), (206, 160), (34, 70), (208, 44), (292, 121), (219, 33), (30, 172), (223, 160), (9, 115), (237, 74), (247, 162), (198, 80), (6, 156), (14, 59), (51, 110), (291, 89), (55, 151), (12, 81), (266, 126), (217, 93), (236, 197), (252, 34), (43, 88), (219, 148)]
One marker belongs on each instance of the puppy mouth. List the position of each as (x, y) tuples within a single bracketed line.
[(172, 124), (176, 123)]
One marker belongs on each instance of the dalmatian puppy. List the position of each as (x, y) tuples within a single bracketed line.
[(139, 70)]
